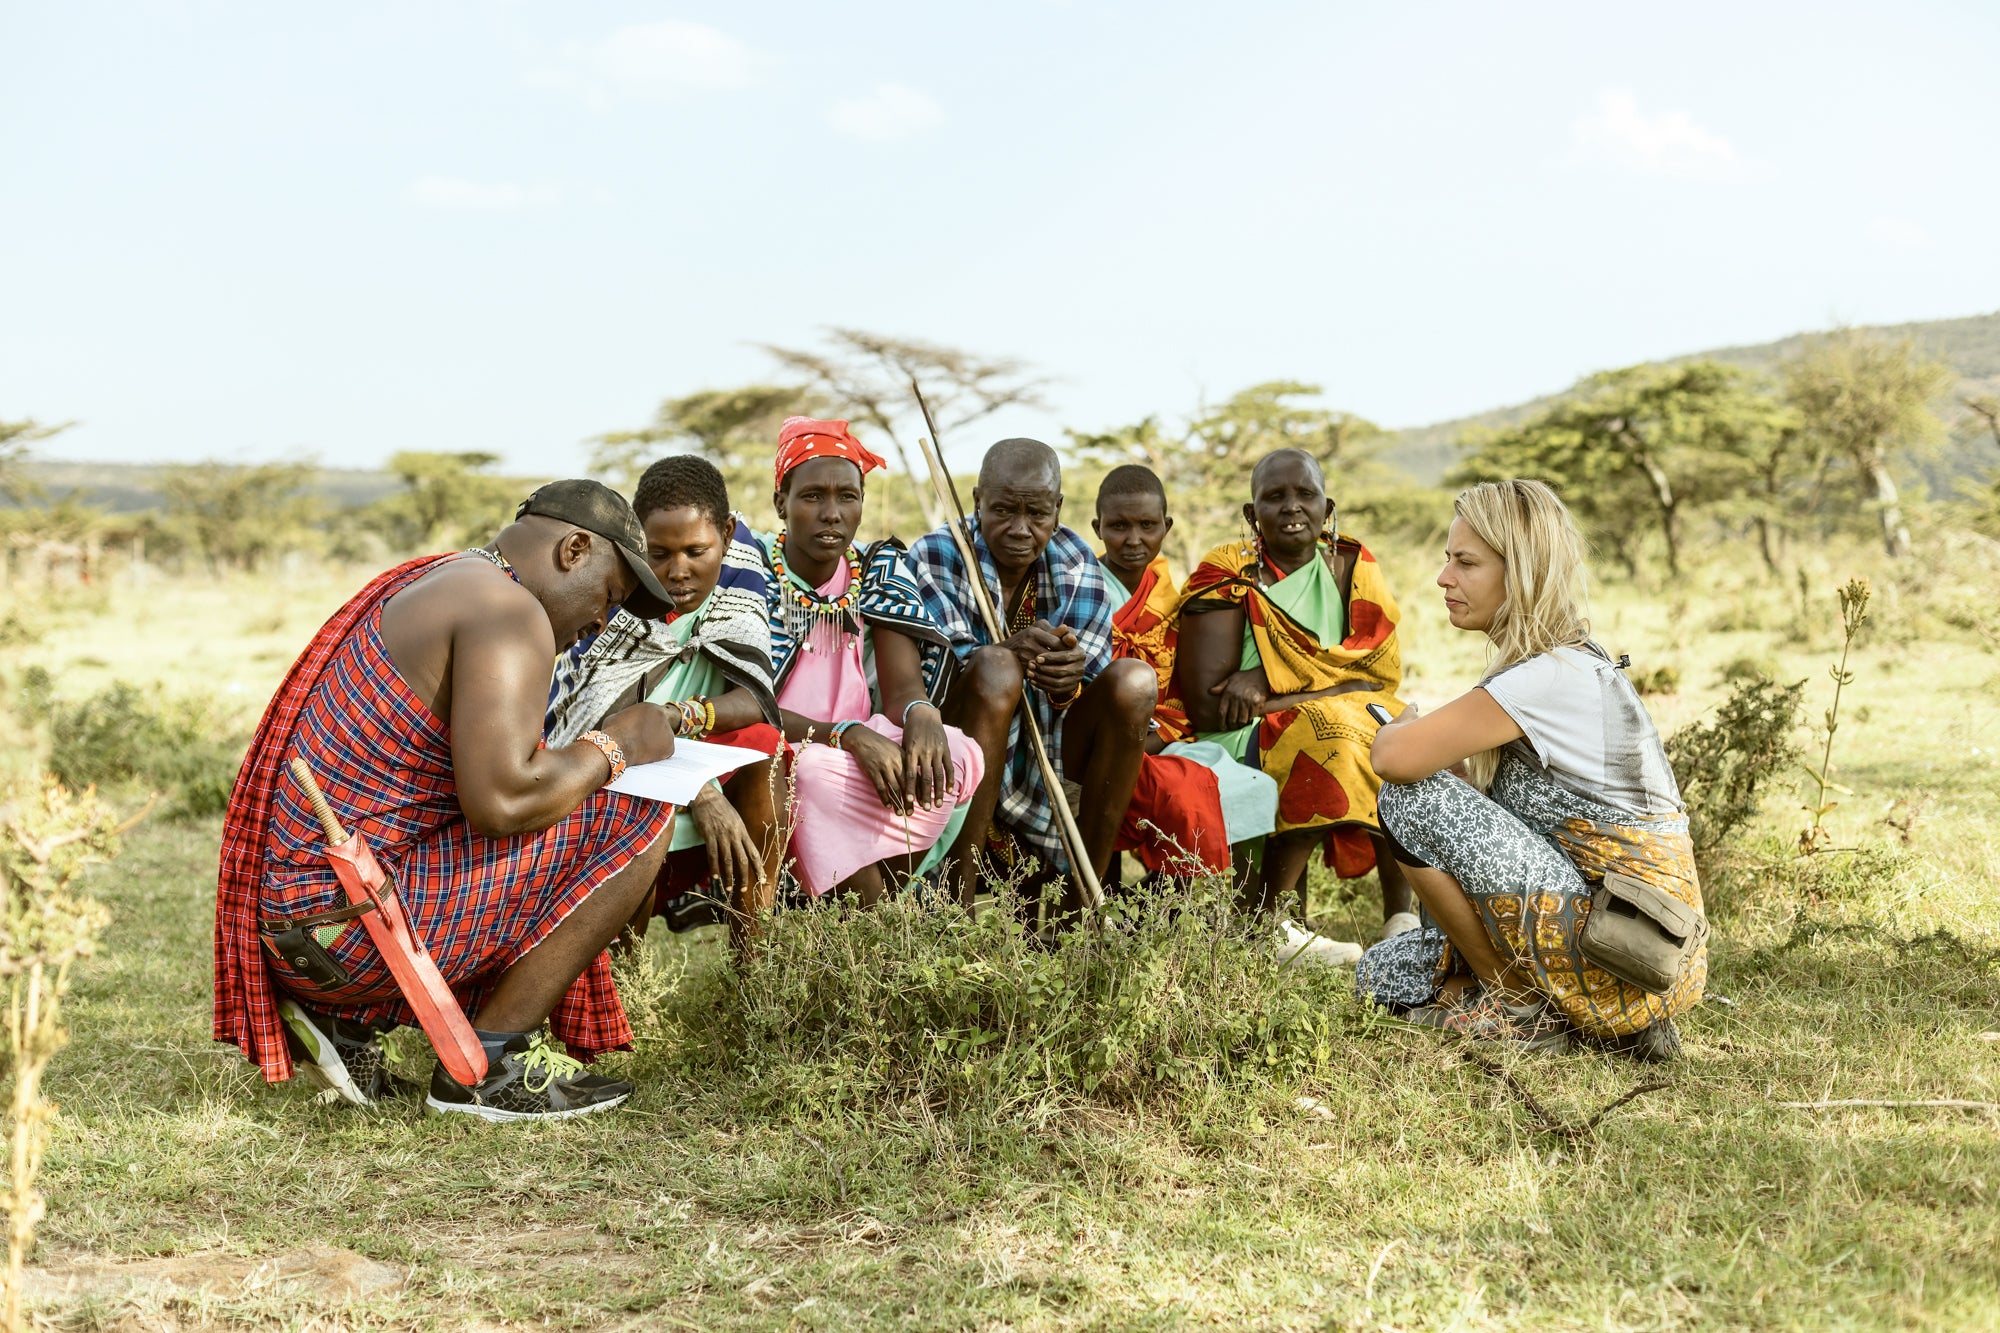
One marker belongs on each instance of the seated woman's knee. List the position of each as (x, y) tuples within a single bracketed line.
[(1134, 686)]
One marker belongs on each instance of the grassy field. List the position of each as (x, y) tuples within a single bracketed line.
[(1420, 1189)]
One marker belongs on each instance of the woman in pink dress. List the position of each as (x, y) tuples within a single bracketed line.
[(880, 781)]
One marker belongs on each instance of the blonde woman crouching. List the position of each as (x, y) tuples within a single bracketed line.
[(1563, 778)]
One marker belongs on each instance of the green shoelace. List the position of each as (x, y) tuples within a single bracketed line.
[(544, 1059)]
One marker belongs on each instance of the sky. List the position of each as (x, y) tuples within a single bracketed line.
[(250, 231)]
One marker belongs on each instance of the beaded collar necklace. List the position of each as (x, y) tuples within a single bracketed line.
[(818, 624), (498, 560), (1024, 609)]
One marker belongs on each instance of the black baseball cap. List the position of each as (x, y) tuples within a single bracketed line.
[(596, 508)]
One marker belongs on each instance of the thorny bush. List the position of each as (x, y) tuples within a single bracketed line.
[(1724, 765), (176, 744), (840, 1005)]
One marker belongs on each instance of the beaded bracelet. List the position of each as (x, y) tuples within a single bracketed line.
[(912, 704), (609, 749), (838, 727)]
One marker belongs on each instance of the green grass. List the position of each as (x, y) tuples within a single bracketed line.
[(1434, 1197)]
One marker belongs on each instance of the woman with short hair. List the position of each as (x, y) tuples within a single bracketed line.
[(1510, 804)]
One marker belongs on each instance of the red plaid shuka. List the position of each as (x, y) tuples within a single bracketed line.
[(384, 762)]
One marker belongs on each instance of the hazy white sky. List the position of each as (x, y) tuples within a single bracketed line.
[(257, 231)]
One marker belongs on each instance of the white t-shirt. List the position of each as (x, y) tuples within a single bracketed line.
[(1584, 724)]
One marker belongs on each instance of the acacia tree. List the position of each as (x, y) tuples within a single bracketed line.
[(15, 436), (865, 377), (736, 429), (1864, 399), (240, 516), (1641, 447), (1206, 464), (447, 497), (1986, 409)]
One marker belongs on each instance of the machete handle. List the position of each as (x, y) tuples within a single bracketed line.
[(330, 822)]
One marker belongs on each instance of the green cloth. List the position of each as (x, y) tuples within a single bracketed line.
[(685, 678), (1310, 595)]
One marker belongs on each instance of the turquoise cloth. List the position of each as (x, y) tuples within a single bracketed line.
[(1249, 796), (684, 680), (1120, 594), (1310, 595)]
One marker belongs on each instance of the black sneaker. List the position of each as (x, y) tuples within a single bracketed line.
[(1655, 1045), (692, 909), (531, 1080), (343, 1057)]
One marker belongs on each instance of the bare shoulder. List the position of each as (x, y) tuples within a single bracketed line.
[(463, 594)]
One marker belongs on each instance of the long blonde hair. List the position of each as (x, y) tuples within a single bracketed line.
[(1546, 605)]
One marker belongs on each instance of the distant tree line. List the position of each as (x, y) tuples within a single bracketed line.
[(1652, 458)]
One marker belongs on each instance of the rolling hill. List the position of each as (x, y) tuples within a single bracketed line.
[(1971, 346)]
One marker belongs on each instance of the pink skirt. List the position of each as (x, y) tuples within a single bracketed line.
[(841, 825)]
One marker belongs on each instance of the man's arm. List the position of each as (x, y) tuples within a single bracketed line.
[(501, 651)]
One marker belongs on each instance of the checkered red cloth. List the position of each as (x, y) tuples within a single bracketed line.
[(384, 763)]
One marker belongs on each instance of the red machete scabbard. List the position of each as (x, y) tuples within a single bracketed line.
[(416, 974)]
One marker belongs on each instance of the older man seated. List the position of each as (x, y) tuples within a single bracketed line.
[(418, 708), (1054, 658)]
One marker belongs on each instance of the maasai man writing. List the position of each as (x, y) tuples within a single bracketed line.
[(1284, 640), (709, 660), (860, 665), (1193, 800), (418, 707), (1055, 659)]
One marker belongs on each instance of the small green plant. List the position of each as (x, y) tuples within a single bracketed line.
[(1723, 765), (46, 843), (17, 630), (1853, 613), (176, 744)]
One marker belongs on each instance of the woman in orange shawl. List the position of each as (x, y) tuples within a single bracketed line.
[(1284, 641)]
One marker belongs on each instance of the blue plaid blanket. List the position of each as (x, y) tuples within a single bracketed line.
[(1069, 590)]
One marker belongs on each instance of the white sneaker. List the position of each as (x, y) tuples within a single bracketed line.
[(1402, 923), (1299, 945)]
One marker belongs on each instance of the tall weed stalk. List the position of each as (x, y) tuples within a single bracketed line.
[(1853, 613)]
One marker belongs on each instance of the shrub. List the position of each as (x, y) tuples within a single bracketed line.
[(1662, 679), (841, 1007), (177, 744), (1724, 765)]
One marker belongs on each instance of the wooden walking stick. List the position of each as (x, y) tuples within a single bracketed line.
[(947, 493), (412, 966)]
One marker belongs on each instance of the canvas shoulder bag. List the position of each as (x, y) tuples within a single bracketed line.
[(1640, 934)]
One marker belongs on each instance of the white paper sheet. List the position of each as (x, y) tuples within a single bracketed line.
[(677, 779)]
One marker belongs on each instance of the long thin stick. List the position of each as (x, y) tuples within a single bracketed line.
[(1072, 836)]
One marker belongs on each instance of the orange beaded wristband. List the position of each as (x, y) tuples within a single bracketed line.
[(612, 754)]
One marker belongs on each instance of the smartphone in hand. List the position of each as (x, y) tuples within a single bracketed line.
[(1381, 715)]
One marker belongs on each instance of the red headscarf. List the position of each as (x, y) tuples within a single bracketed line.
[(802, 438)]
